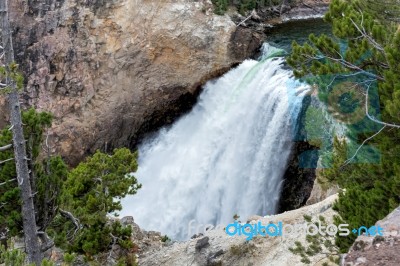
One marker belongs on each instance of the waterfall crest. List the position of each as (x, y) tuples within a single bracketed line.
[(226, 157)]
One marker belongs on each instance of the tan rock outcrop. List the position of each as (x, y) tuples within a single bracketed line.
[(369, 250), (112, 71), (320, 192)]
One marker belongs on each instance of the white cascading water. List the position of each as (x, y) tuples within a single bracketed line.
[(226, 157)]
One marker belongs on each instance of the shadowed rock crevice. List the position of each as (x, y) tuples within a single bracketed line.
[(299, 177), (298, 181)]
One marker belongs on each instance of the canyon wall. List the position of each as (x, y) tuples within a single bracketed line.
[(110, 71)]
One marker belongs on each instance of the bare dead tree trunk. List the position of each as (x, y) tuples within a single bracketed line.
[(32, 247)]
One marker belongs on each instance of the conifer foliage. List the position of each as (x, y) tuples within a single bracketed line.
[(221, 6), (46, 175), (72, 206), (365, 49), (93, 190)]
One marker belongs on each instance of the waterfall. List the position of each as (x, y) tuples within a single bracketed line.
[(226, 157)]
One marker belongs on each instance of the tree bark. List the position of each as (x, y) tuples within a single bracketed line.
[(32, 247)]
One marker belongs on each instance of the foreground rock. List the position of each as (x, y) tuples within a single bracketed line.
[(144, 242), (319, 193), (217, 248), (378, 250), (111, 71)]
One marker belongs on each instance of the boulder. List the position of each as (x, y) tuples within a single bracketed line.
[(377, 250)]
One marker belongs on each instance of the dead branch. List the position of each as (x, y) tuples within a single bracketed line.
[(358, 149), (243, 21), (73, 219), (47, 242), (7, 147), (1, 162), (373, 118), (1, 184), (114, 239), (364, 34)]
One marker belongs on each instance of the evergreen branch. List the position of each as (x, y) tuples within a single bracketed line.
[(366, 36), (345, 63), (370, 39), (352, 66)]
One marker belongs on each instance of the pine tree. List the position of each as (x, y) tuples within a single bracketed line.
[(384, 9), (363, 54), (73, 210), (92, 191)]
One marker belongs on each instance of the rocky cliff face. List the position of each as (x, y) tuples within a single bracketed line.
[(370, 250), (110, 71)]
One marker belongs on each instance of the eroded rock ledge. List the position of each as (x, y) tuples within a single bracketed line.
[(377, 250), (215, 247), (111, 71)]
